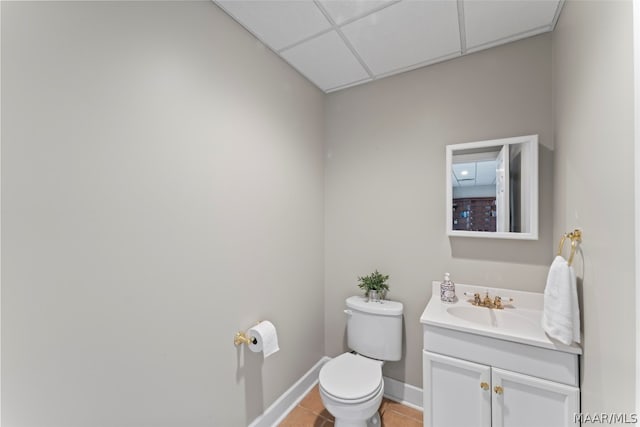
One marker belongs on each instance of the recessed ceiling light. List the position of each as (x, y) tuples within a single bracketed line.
[(464, 173)]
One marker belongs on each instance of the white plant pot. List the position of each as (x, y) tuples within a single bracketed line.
[(374, 296)]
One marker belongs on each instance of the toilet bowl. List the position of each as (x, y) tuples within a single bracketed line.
[(351, 389), (351, 385)]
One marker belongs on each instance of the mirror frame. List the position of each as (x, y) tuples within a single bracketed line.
[(530, 159)]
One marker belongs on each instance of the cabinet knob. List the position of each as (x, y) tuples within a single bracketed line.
[(484, 385), (498, 389)]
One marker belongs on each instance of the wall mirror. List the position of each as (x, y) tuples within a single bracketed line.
[(492, 188)]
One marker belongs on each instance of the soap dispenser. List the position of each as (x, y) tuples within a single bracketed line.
[(447, 290)]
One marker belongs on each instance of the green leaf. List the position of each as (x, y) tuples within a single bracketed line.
[(374, 282)]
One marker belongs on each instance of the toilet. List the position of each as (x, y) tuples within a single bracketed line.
[(351, 385)]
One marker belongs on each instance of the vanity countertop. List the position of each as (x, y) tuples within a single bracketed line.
[(519, 321)]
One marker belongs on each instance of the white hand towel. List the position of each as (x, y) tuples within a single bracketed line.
[(561, 314)]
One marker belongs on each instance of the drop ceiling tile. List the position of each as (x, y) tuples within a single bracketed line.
[(464, 172), (487, 21), (486, 173), (405, 34), (278, 23), (326, 61), (344, 10)]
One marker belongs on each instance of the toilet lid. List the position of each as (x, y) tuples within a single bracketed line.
[(351, 377)]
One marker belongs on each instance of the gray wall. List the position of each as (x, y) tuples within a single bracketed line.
[(474, 191), (162, 181), (594, 175), (385, 182)]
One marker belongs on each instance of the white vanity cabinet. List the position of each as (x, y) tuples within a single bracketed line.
[(496, 369), (459, 393), (456, 392), (526, 401)]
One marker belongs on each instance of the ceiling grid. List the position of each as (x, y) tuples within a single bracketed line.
[(341, 43), (344, 39)]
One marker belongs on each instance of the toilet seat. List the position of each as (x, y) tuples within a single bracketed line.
[(352, 401), (350, 378)]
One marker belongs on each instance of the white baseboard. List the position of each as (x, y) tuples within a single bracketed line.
[(275, 413), (406, 394)]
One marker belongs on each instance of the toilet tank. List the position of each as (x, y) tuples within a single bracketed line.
[(374, 329)]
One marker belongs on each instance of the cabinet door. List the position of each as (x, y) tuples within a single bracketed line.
[(524, 401), (456, 393)]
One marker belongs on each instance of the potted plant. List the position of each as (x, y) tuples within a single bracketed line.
[(375, 285)]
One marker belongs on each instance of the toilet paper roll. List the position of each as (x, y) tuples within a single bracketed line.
[(263, 338)]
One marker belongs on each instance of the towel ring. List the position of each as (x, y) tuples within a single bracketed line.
[(576, 237)]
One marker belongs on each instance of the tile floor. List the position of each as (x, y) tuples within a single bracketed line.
[(311, 413)]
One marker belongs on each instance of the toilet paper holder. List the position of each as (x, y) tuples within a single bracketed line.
[(244, 338)]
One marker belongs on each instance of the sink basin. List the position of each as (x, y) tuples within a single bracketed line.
[(520, 321), (503, 319)]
